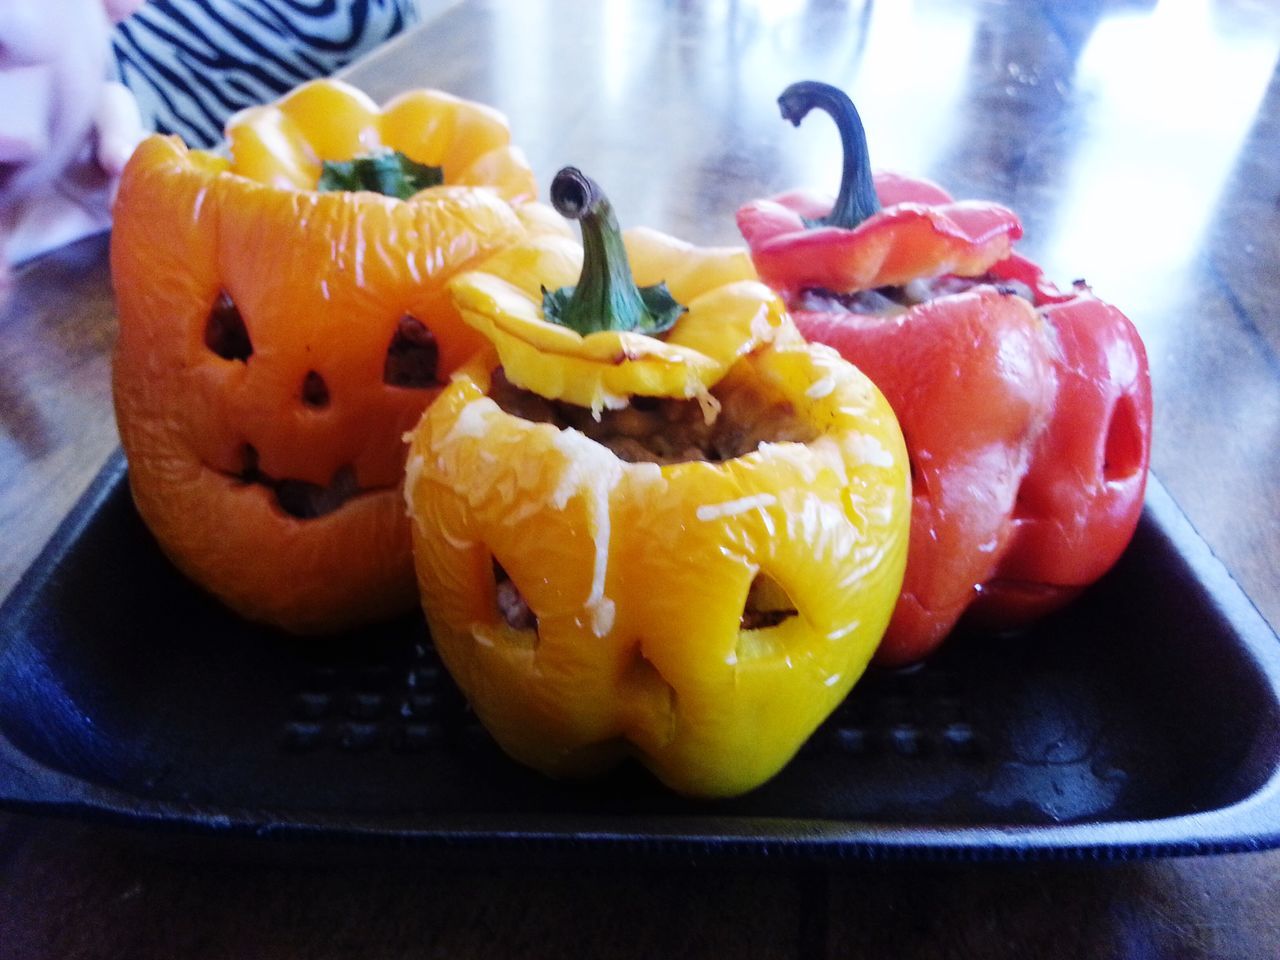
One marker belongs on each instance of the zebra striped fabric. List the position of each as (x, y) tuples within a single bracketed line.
[(192, 63)]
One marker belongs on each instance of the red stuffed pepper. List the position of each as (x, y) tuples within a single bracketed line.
[(1027, 411)]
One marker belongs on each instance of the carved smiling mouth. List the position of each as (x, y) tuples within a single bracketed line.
[(298, 498)]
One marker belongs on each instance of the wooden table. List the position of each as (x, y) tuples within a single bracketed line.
[(1139, 142)]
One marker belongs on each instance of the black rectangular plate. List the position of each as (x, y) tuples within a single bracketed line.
[(1143, 721)]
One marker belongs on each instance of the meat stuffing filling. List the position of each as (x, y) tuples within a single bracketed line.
[(297, 498), (883, 301), (663, 430), (740, 416), (767, 604)]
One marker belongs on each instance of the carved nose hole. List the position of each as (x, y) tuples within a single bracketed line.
[(225, 333), (315, 392), (1122, 451), (413, 357)]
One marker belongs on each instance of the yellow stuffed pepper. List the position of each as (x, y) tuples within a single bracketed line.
[(652, 521), (283, 321)]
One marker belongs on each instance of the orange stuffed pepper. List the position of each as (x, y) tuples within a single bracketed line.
[(282, 323)]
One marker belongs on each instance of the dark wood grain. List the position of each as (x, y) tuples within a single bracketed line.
[(1139, 142), (56, 332), (70, 891)]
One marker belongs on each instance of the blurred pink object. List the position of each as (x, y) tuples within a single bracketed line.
[(65, 130)]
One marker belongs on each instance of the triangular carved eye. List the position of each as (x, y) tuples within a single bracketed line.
[(413, 357), (767, 604), (225, 333)]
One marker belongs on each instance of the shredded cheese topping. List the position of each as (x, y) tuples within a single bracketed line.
[(593, 472), (732, 508)]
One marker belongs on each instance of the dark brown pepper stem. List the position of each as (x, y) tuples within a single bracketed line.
[(857, 199)]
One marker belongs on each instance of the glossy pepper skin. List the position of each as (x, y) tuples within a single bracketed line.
[(1080, 502), (971, 380), (638, 573), (256, 362), (872, 234), (997, 397)]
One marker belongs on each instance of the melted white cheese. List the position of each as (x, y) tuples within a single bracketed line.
[(592, 471), (731, 508)]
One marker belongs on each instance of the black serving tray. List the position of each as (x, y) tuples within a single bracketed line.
[(1143, 721)]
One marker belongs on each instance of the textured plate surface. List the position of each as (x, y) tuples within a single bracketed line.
[(1143, 721)]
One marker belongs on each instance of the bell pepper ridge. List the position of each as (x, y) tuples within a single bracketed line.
[(277, 340), (857, 198), (606, 296)]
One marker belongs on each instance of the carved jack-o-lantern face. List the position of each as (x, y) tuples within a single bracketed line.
[(276, 342), (698, 589)]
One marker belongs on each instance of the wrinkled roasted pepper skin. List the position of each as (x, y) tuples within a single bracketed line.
[(639, 573), (726, 319), (321, 281), (1080, 502), (283, 144), (910, 238)]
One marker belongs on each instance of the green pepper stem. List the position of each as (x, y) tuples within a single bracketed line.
[(388, 172), (606, 296), (857, 199)]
